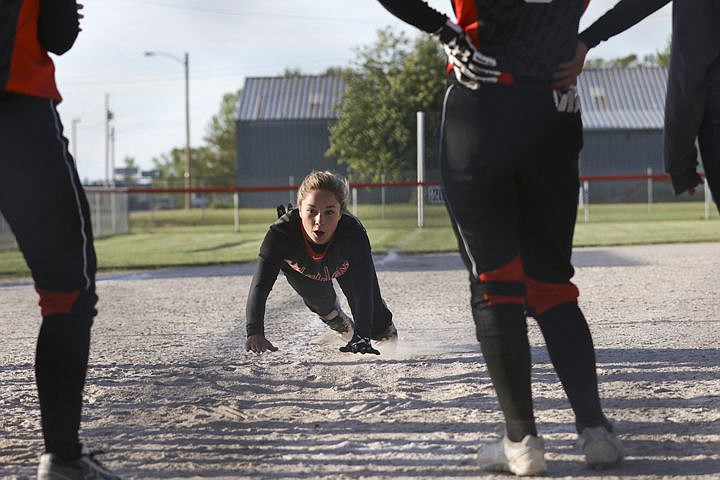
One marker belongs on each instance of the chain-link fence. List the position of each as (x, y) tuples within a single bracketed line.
[(110, 208)]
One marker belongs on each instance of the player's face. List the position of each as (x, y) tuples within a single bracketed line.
[(320, 214)]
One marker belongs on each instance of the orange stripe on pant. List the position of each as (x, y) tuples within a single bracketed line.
[(53, 303), (511, 272), (543, 296), (540, 296)]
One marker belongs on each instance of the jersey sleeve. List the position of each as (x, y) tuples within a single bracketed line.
[(622, 16), (58, 25), (417, 13), (266, 272)]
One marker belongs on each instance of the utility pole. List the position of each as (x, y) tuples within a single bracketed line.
[(107, 139), (187, 130), (109, 117), (75, 121)]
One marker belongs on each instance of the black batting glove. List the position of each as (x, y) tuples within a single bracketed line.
[(358, 344), (471, 67)]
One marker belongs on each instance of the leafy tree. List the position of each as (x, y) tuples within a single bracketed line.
[(663, 56), (391, 81), (172, 168), (292, 72), (218, 158), (337, 71), (594, 63), (627, 61), (659, 58), (129, 179), (215, 162)]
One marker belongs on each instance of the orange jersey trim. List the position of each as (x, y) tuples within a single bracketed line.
[(32, 72)]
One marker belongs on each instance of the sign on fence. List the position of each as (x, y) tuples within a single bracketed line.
[(435, 194), (126, 171), (152, 173)]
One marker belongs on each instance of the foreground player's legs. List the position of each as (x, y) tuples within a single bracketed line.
[(478, 161), (45, 205)]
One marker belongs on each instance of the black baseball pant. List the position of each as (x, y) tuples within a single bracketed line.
[(321, 299), (44, 203), (509, 166)]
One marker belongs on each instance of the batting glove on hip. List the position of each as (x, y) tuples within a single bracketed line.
[(471, 67), (359, 344), (567, 101)]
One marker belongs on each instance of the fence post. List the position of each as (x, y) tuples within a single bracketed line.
[(236, 210), (202, 202), (354, 201), (586, 202), (113, 212), (708, 198), (382, 196), (291, 182), (98, 215), (421, 167), (650, 190)]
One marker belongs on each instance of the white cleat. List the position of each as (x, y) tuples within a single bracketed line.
[(523, 458), (602, 449), (86, 467)]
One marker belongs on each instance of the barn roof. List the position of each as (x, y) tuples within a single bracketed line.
[(616, 98), (290, 98), (630, 98)]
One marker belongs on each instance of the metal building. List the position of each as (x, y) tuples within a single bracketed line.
[(282, 129), (282, 132), (623, 111)]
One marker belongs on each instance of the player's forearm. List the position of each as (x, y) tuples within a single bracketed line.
[(263, 280), (622, 16), (361, 276), (417, 13)]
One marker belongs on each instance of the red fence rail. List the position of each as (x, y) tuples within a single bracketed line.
[(281, 188)]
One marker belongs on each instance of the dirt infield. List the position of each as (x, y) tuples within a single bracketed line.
[(172, 394)]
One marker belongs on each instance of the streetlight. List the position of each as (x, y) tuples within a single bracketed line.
[(186, 63)]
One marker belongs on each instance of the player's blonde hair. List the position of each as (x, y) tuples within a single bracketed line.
[(328, 181)]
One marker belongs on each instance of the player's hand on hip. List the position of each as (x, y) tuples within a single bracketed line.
[(471, 67), (258, 344), (568, 72), (359, 344)]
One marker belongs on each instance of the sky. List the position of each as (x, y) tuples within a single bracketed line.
[(227, 41)]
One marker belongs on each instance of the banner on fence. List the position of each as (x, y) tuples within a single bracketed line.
[(435, 194)]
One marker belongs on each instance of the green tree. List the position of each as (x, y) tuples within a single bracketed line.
[(217, 160), (292, 72), (659, 58), (663, 56), (212, 164), (129, 179), (390, 81), (172, 168)]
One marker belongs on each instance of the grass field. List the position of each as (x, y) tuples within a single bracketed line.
[(199, 237)]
